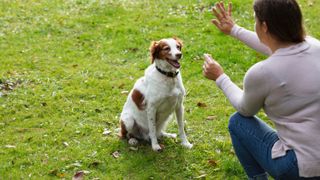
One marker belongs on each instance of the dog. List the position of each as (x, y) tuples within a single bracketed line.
[(155, 97)]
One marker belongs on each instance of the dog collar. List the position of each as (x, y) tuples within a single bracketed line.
[(169, 74)]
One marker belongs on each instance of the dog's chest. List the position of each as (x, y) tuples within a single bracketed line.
[(168, 101)]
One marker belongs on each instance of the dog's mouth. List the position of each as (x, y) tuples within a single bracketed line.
[(174, 62)]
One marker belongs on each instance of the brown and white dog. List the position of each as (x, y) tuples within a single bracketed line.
[(155, 97)]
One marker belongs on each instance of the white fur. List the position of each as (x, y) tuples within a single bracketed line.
[(163, 96)]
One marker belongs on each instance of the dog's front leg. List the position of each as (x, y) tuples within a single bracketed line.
[(182, 134), (151, 113)]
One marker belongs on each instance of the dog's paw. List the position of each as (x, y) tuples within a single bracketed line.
[(133, 141), (156, 148), (187, 145)]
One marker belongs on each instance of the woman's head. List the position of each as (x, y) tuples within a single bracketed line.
[(283, 19)]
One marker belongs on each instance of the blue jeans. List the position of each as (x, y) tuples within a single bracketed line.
[(252, 141)]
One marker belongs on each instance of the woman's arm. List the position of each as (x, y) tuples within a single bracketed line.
[(250, 38), (249, 100)]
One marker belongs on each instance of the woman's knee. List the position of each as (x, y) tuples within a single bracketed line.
[(234, 118)]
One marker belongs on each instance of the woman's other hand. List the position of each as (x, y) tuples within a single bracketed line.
[(223, 21), (211, 68)]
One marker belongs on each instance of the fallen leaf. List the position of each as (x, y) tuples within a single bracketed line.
[(78, 176), (116, 154), (211, 117), (10, 146), (134, 148), (65, 144), (61, 175), (76, 164), (212, 162), (106, 132), (162, 146), (201, 176), (124, 92), (201, 104), (117, 130)]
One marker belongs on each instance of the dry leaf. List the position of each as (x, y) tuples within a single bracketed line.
[(212, 162), (78, 176), (116, 154), (106, 132), (211, 117), (201, 104), (65, 144), (10, 146), (61, 175), (124, 92), (201, 176), (133, 148)]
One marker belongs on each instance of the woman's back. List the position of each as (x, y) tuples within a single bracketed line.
[(293, 101)]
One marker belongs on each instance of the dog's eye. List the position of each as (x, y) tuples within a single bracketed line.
[(166, 48), (178, 46)]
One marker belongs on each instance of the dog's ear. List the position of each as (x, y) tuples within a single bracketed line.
[(154, 50), (179, 41)]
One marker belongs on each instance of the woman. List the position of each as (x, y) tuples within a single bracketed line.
[(286, 85)]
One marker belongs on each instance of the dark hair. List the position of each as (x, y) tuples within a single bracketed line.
[(283, 19)]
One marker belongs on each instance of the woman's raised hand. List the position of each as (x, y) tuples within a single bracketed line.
[(223, 19)]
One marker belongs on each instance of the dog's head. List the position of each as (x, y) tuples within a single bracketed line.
[(168, 51)]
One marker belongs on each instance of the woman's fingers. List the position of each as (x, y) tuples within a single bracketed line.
[(217, 14), (221, 8), (216, 23), (211, 68), (230, 9)]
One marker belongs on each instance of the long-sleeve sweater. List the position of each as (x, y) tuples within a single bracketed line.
[(287, 86)]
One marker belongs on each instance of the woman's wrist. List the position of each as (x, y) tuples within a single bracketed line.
[(234, 30)]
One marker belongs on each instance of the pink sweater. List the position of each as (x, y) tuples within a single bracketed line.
[(287, 86)]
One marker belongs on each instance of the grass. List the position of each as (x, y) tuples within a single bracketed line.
[(65, 66)]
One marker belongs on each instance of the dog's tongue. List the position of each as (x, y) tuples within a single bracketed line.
[(175, 64)]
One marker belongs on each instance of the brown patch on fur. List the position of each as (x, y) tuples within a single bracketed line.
[(156, 48), (179, 41), (123, 131), (138, 99)]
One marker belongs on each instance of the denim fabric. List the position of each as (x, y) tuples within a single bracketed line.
[(253, 140)]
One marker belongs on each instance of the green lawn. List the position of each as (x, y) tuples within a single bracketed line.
[(65, 69)]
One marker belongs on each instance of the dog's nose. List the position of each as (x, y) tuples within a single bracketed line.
[(178, 55)]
